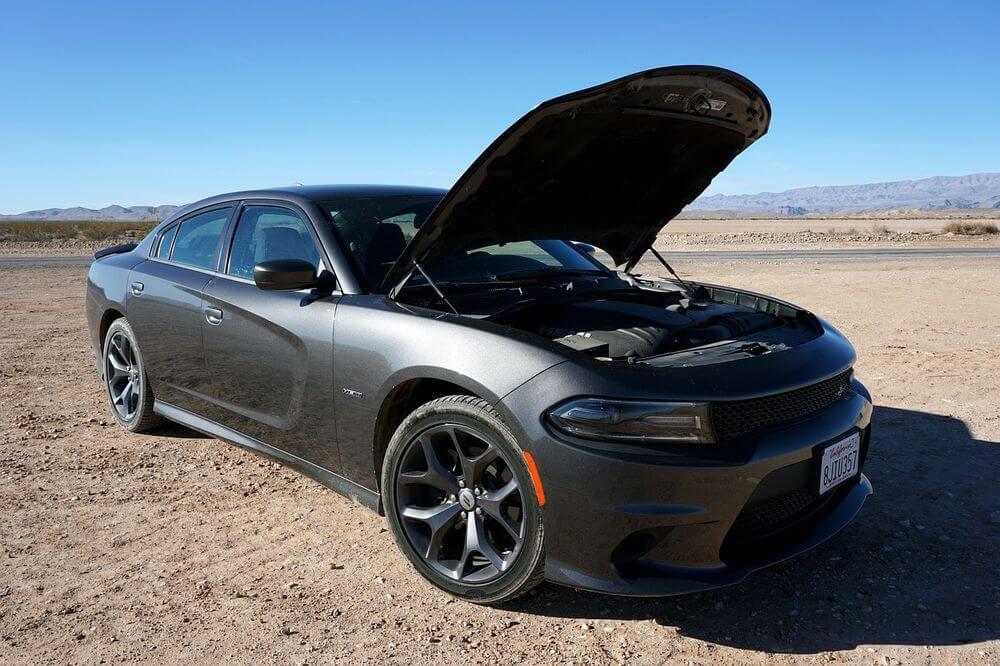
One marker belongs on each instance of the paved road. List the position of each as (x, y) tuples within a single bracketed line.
[(688, 256), (839, 254), (844, 254), (46, 261)]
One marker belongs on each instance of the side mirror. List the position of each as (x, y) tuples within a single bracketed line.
[(285, 275), (586, 247)]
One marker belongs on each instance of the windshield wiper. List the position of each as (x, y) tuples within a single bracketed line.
[(548, 271)]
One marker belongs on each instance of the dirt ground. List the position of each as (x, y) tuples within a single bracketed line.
[(175, 547)]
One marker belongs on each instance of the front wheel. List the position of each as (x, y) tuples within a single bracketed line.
[(125, 381), (460, 501)]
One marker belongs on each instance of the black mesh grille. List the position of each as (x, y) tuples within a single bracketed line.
[(735, 419), (774, 513)]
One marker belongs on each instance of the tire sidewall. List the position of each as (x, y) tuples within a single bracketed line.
[(122, 326), (487, 425)]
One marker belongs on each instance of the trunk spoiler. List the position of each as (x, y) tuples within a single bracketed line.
[(115, 249)]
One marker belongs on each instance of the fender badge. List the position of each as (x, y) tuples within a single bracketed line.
[(353, 393)]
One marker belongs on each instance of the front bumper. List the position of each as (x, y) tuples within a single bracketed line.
[(655, 525)]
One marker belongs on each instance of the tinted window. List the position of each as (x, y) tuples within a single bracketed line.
[(198, 238), (163, 252), (266, 233), (375, 230)]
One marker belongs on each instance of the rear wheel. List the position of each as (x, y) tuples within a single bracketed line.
[(460, 501), (125, 381)]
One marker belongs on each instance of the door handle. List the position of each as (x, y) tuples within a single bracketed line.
[(137, 288), (214, 316)]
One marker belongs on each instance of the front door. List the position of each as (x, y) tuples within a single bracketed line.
[(270, 353)]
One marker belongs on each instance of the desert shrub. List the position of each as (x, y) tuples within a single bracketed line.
[(880, 229), (55, 231), (132, 230), (971, 228), (22, 231)]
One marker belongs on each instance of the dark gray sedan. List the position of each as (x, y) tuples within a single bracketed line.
[(461, 361)]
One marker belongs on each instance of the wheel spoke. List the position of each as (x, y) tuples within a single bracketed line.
[(436, 475), (131, 398), (512, 528), (476, 542), (120, 369), (474, 466), (439, 519), (118, 346), (120, 398), (492, 501)]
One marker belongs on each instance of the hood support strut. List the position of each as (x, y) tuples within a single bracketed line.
[(684, 283), (437, 290)]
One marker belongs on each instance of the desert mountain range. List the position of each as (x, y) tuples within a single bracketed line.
[(978, 190)]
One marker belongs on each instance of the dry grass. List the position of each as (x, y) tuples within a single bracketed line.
[(61, 231), (971, 228)]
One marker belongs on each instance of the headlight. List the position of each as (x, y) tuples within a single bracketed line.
[(633, 420)]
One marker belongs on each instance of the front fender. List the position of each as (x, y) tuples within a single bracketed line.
[(379, 345)]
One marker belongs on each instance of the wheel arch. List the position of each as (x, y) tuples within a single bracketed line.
[(406, 396), (108, 318)]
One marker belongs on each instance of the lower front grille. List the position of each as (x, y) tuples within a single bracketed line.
[(734, 420), (783, 502), (757, 521)]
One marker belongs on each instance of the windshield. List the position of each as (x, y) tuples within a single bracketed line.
[(376, 230), (510, 261)]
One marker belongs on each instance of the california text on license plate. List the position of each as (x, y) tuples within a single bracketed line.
[(840, 462)]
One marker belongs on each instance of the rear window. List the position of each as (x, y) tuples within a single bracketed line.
[(198, 239), (166, 240)]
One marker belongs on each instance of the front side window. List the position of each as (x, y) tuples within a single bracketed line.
[(268, 233), (198, 238)]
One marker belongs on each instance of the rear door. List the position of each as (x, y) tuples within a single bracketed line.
[(270, 353), (165, 308)]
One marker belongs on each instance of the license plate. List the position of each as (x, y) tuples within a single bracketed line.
[(840, 462)]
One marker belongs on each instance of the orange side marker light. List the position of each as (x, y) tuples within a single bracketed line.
[(535, 478)]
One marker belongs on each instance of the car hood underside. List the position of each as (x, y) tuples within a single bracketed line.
[(608, 165)]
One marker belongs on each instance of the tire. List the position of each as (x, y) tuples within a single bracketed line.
[(126, 385), (481, 541)]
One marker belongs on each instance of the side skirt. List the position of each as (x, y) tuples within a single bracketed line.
[(345, 487)]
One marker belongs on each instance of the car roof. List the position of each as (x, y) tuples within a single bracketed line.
[(325, 192), (302, 193)]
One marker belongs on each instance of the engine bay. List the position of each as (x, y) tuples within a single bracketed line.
[(622, 319)]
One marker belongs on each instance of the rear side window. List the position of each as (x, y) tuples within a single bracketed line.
[(198, 238), (166, 240), (266, 233)]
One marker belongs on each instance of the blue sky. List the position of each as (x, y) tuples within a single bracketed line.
[(149, 103)]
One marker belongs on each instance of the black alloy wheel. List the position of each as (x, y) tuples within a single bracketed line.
[(125, 382), (460, 501)]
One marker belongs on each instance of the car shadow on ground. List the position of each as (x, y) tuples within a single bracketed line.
[(917, 567)]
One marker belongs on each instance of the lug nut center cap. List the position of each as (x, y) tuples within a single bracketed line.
[(467, 500)]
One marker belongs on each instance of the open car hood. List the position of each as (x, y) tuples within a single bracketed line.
[(609, 165)]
